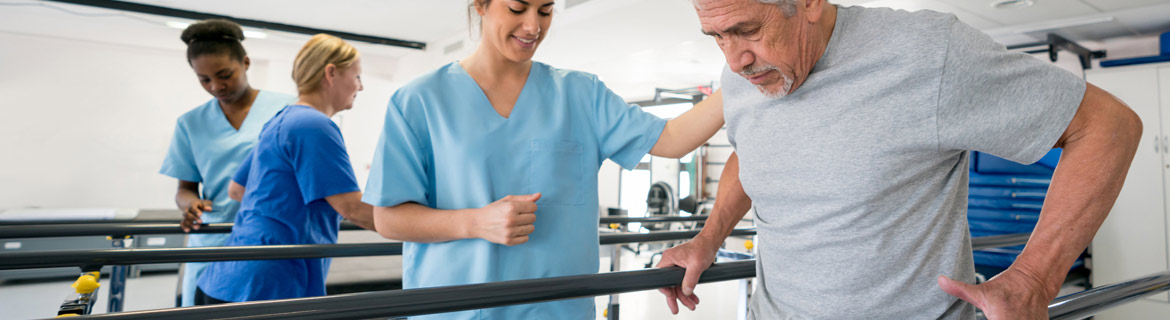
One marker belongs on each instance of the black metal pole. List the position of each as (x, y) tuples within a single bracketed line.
[(21, 231), (614, 219), (616, 238), (103, 229), (193, 15), (1086, 303), (1000, 241), (74, 258), (78, 258), (409, 302)]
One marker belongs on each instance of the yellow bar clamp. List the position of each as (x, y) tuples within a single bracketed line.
[(87, 282)]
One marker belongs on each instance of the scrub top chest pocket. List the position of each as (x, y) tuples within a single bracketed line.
[(556, 172)]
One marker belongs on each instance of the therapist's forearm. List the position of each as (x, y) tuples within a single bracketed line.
[(691, 129), (350, 206), (1084, 188), (731, 204), (418, 223), (184, 196), (361, 214)]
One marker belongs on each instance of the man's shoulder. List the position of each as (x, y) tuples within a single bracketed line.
[(887, 18), (897, 30)]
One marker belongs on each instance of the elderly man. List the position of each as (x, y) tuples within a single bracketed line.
[(852, 129)]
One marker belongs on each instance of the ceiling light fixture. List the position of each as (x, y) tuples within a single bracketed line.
[(249, 34), (1011, 4), (177, 25), (252, 34)]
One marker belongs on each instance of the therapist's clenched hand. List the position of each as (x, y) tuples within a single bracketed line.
[(193, 214), (507, 221)]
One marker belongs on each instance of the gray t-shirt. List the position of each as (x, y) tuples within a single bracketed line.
[(859, 177)]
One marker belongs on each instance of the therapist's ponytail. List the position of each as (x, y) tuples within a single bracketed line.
[(473, 19), (321, 51)]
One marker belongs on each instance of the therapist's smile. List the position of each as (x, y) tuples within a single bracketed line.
[(525, 42)]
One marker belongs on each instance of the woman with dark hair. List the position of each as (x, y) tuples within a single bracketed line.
[(211, 140)]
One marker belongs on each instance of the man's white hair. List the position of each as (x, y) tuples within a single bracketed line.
[(787, 6)]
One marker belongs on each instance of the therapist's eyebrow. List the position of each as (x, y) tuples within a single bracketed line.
[(224, 71), (529, 4)]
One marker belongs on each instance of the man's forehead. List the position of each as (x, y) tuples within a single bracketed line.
[(716, 15), (710, 6)]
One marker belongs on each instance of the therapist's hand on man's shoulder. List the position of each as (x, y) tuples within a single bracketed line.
[(507, 221), (695, 256)]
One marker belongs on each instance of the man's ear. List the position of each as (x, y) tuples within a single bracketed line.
[(813, 10)]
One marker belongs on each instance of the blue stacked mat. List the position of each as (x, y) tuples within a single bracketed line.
[(1006, 197)]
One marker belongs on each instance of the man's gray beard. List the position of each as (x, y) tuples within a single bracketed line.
[(784, 91)]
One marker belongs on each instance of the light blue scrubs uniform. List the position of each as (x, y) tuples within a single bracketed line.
[(445, 147), (299, 160), (207, 149)]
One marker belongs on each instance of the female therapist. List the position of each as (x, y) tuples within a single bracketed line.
[(487, 167), (298, 184), (211, 140)]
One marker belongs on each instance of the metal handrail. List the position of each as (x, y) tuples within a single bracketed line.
[(81, 258), (397, 303), (119, 229), (631, 237), (104, 257), (627, 219), (103, 229), (487, 295), (999, 241), (1086, 303)]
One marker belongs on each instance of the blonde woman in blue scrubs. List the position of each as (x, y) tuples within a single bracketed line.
[(211, 140), (487, 167)]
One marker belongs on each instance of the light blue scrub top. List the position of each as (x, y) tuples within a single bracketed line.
[(444, 146), (207, 149)]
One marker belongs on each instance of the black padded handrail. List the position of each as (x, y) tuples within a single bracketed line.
[(397, 303), (102, 257), (118, 229), (1087, 303), (999, 241)]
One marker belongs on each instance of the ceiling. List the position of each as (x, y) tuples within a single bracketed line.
[(435, 20), (637, 45), (633, 45), (415, 20), (1078, 20)]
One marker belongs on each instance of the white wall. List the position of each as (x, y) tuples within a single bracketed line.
[(1127, 47), (87, 124), (90, 102), (89, 106)]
